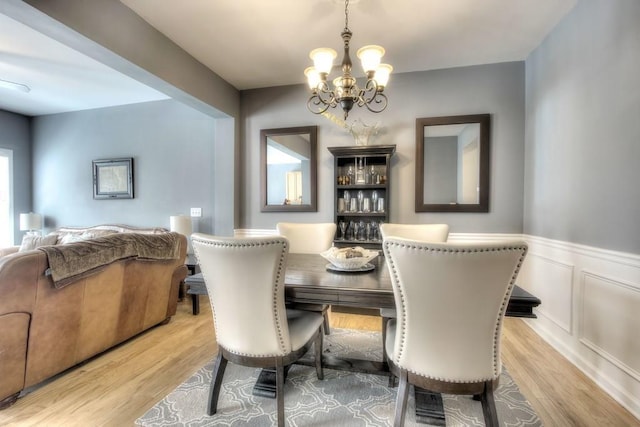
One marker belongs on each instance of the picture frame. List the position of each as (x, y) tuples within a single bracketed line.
[(113, 178)]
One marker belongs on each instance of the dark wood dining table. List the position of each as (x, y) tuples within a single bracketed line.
[(308, 280)]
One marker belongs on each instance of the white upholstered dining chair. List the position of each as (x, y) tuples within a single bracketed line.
[(309, 238), (451, 301), (431, 233), (428, 233), (245, 284)]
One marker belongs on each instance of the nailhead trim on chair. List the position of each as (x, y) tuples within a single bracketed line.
[(281, 267), (279, 284), (503, 305)]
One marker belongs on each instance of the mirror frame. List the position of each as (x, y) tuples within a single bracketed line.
[(313, 170), (485, 135)]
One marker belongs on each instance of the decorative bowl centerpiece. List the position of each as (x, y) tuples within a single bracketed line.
[(346, 259)]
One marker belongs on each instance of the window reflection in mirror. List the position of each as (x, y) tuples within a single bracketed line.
[(288, 164), (452, 164)]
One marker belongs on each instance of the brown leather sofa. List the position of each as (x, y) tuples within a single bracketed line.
[(45, 329)]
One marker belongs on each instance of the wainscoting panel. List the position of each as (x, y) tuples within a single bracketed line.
[(552, 282), (609, 313), (603, 293)]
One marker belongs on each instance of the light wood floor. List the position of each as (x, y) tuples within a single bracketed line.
[(117, 387)]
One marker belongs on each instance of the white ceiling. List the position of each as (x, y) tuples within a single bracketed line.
[(60, 78), (258, 43)]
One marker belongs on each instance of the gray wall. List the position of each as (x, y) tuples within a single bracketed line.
[(497, 89), (15, 136), (173, 147), (582, 181)]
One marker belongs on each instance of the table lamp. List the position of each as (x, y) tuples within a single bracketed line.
[(31, 223), (182, 224)]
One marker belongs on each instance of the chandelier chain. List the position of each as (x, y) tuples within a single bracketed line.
[(346, 15)]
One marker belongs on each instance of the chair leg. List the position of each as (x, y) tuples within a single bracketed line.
[(385, 320), (195, 304), (216, 383), (401, 400), (280, 391), (489, 405), (318, 355), (385, 359), (325, 323)]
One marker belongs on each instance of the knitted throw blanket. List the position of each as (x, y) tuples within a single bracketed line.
[(73, 261)]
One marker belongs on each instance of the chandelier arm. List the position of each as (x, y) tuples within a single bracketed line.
[(316, 106), (326, 95), (369, 92), (380, 98)]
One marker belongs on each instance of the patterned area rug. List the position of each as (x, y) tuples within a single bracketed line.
[(342, 399)]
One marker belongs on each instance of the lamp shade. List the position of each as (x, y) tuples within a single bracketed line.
[(182, 224), (323, 59), (370, 57), (313, 78), (382, 74), (30, 221)]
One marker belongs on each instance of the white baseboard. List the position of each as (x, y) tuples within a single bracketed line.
[(589, 312)]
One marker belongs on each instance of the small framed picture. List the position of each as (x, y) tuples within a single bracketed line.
[(113, 178)]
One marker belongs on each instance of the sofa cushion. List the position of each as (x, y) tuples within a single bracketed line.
[(30, 242)]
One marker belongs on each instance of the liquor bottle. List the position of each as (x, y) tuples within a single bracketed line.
[(360, 178)]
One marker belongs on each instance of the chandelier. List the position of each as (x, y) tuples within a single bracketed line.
[(345, 89)]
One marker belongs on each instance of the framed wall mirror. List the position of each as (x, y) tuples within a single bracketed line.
[(452, 163), (288, 169)]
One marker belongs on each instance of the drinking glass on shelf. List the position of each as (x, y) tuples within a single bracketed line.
[(374, 231), (360, 200), (374, 201), (356, 230), (343, 229), (367, 205), (347, 200), (351, 174), (362, 231), (368, 229)]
